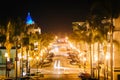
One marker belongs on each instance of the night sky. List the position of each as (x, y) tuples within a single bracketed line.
[(51, 15)]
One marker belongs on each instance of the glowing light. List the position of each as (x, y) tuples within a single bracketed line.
[(6, 54), (37, 57), (56, 37), (57, 64), (24, 73), (95, 58), (107, 56), (19, 55), (84, 59), (56, 49), (30, 58), (25, 57), (29, 19)]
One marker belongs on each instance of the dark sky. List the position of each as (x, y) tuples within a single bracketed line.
[(52, 16)]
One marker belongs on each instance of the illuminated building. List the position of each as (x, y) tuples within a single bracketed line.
[(31, 26)]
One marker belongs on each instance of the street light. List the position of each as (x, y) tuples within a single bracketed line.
[(6, 56)]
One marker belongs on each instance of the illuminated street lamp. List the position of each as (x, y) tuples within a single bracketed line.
[(6, 56)]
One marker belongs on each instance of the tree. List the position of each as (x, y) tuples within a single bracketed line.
[(2, 35), (107, 9), (8, 43)]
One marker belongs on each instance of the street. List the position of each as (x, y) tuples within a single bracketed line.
[(57, 77), (59, 69)]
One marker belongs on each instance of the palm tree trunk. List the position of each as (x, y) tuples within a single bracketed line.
[(93, 68), (16, 57), (22, 61), (105, 66), (91, 62), (98, 63), (111, 47), (27, 68)]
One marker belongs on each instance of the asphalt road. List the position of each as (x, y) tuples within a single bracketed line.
[(60, 69), (57, 77), (60, 65)]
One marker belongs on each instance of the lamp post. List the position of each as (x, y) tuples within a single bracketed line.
[(6, 56)]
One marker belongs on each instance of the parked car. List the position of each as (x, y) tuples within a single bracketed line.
[(46, 64), (84, 76), (73, 62), (35, 76), (51, 55), (46, 61)]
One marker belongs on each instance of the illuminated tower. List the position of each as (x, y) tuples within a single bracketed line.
[(29, 20), (32, 27)]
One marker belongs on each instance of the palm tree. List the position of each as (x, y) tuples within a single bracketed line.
[(110, 10), (84, 34), (2, 35), (45, 39), (9, 33)]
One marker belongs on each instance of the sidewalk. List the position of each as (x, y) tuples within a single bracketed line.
[(3, 72), (13, 78), (2, 77)]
